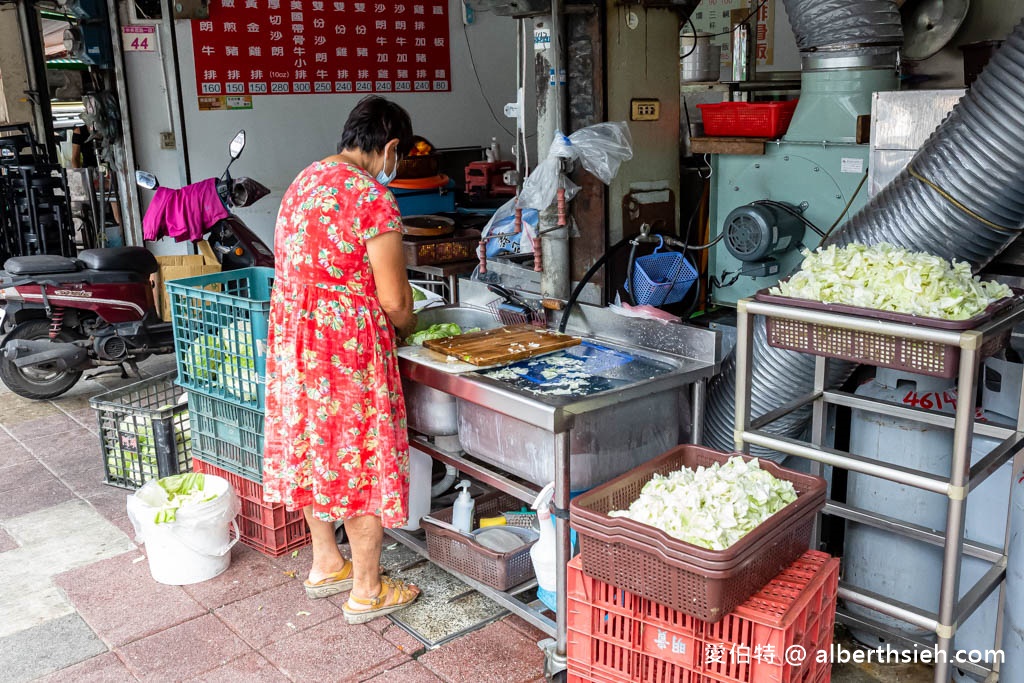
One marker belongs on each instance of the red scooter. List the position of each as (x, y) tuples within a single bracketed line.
[(62, 316)]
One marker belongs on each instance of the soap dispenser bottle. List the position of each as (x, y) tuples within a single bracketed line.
[(462, 515), (543, 551)]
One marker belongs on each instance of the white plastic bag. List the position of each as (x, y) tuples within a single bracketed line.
[(600, 149)]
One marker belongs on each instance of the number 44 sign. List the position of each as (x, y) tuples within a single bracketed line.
[(139, 38)]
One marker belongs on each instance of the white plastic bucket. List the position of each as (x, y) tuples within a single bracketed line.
[(197, 545)]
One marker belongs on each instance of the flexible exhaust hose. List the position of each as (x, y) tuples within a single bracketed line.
[(844, 28), (961, 197)]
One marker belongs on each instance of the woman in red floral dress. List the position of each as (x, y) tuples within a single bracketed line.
[(336, 440)]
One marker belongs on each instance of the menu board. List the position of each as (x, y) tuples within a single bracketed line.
[(295, 47), (719, 17)]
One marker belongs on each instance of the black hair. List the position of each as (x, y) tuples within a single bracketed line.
[(374, 122)]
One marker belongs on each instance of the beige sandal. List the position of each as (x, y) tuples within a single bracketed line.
[(393, 596), (338, 582)]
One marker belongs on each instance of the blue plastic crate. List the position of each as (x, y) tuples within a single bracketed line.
[(227, 435), (220, 333), (661, 278)]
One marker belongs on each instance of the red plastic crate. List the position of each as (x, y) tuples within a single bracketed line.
[(747, 119), (265, 527), (618, 637)]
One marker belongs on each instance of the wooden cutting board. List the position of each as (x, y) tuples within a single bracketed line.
[(502, 345)]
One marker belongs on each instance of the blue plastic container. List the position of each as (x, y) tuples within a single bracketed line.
[(420, 202), (220, 326), (661, 278)]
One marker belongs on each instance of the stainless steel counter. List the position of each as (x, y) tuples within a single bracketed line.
[(692, 353)]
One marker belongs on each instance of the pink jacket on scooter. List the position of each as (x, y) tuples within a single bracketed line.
[(184, 214)]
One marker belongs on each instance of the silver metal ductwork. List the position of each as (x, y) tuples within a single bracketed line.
[(840, 28), (962, 197)]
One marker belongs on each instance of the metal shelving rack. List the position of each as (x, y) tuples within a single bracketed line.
[(962, 478)]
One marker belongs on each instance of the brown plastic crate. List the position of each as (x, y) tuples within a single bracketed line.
[(497, 570), (706, 584), (881, 350)]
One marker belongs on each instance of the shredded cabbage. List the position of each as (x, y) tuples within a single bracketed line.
[(176, 492), (711, 507), (889, 278)]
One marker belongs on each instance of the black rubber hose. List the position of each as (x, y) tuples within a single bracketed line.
[(611, 251), (630, 265)]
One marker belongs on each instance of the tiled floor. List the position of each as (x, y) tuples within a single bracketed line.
[(77, 602)]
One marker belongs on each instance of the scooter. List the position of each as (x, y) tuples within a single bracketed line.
[(62, 316)]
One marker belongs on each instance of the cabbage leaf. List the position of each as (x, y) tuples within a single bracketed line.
[(889, 278), (710, 507)]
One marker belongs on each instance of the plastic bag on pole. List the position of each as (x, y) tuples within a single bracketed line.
[(600, 149)]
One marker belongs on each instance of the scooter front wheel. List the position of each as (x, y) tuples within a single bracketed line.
[(39, 382)]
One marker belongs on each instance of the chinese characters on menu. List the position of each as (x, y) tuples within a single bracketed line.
[(285, 47)]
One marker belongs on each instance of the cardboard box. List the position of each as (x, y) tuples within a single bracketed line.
[(176, 267)]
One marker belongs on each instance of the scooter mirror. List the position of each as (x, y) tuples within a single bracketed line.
[(146, 180), (237, 145)]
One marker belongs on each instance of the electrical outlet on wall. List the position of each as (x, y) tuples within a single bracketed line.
[(167, 141), (645, 110)]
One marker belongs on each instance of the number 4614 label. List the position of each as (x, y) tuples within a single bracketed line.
[(139, 38)]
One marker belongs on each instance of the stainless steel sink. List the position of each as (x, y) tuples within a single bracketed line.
[(606, 441), (603, 433), (430, 411)]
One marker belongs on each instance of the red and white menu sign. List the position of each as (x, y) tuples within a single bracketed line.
[(289, 47)]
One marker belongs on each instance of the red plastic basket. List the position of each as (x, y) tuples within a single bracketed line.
[(618, 637), (747, 119), (265, 527)]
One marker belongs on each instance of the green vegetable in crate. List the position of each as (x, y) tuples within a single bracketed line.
[(418, 294), (237, 373), (889, 278), (132, 447), (203, 358), (711, 507)]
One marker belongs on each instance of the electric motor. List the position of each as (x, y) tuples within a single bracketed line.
[(757, 231)]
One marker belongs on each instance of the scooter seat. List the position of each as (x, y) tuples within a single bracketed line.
[(134, 259), (41, 265)]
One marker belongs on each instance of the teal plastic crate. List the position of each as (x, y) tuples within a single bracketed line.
[(220, 333), (227, 435), (145, 431)]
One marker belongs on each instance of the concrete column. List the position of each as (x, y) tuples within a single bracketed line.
[(14, 104)]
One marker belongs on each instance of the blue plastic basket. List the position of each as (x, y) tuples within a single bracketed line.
[(661, 278), (220, 333)]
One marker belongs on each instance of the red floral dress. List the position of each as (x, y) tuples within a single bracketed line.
[(335, 423)]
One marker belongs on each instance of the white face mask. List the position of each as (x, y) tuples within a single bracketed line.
[(385, 178)]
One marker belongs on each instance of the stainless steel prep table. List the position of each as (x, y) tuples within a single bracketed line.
[(695, 354)]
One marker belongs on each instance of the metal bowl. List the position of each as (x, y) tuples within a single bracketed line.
[(427, 226)]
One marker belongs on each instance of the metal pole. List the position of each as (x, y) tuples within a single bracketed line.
[(1018, 465), (699, 398), (744, 367), (32, 36), (819, 416), (949, 591), (131, 216), (563, 549), (555, 280)]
